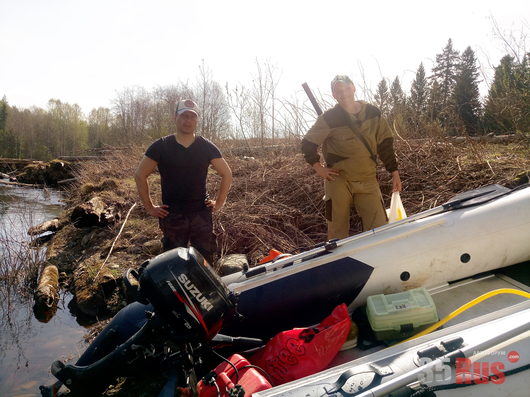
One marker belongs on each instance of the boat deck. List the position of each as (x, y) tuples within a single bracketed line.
[(450, 297), (488, 331)]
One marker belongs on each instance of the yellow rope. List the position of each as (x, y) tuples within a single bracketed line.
[(468, 305)]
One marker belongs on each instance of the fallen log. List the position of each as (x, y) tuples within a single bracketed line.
[(41, 240), (94, 212), (47, 294), (21, 184), (48, 226)]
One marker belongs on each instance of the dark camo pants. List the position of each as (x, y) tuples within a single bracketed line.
[(196, 228)]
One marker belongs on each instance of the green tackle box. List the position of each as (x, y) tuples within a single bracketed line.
[(400, 315)]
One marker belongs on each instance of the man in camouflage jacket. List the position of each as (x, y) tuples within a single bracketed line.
[(351, 133)]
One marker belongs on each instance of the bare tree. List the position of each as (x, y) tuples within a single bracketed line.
[(100, 123), (240, 107), (131, 109), (215, 112), (164, 101), (70, 128), (263, 98)]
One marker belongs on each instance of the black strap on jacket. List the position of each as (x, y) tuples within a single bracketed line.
[(354, 127)]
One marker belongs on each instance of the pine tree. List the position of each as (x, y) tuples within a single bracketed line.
[(443, 77), (466, 95), (397, 106), (419, 92), (397, 96), (508, 101), (434, 101), (8, 139), (522, 94), (3, 113), (382, 97)]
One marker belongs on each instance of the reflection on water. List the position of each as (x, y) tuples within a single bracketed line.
[(27, 346)]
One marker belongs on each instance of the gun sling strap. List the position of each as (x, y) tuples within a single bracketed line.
[(353, 126)]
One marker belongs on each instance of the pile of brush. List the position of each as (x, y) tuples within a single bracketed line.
[(276, 199)]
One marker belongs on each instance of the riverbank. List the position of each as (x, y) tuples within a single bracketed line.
[(27, 344), (275, 202)]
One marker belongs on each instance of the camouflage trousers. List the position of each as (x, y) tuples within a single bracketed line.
[(364, 196), (181, 228)]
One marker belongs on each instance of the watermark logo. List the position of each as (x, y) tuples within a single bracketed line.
[(468, 372), (490, 368), (513, 356)]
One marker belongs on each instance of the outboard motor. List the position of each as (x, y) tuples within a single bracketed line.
[(186, 292), (190, 304)]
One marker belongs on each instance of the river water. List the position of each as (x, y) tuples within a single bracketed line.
[(27, 346)]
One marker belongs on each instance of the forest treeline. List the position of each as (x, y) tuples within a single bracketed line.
[(445, 102)]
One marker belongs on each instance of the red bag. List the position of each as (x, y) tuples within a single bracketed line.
[(301, 352)]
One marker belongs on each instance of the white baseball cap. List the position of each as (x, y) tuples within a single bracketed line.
[(186, 105)]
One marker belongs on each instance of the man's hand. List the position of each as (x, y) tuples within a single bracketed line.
[(215, 205), (396, 182), (325, 173), (158, 211)]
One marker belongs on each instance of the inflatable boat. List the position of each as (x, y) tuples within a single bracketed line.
[(475, 232), (454, 251)]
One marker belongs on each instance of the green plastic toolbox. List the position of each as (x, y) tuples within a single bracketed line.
[(400, 315)]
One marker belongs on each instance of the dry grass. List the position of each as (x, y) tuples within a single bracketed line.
[(276, 200)]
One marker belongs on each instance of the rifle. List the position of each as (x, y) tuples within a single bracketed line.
[(352, 126), (312, 99)]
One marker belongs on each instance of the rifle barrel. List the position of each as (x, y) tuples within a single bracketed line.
[(312, 99)]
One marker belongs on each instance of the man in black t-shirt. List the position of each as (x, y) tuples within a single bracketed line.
[(183, 159)]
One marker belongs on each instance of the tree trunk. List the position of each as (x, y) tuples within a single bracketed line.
[(47, 294), (48, 226), (94, 212)]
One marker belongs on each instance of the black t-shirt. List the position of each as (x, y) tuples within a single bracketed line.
[(183, 171)]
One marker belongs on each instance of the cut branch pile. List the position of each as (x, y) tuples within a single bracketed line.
[(276, 201)]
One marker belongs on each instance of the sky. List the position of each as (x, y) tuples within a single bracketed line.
[(87, 51)]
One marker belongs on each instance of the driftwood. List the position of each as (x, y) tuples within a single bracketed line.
[(47, 294), (22, 184), (41, 240), (48, 226), (95, 212), (69, 180)]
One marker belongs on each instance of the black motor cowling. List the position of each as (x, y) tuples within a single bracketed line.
[(186, 291)]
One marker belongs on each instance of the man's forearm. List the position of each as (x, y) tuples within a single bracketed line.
[(224, 188), (143, 191)]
